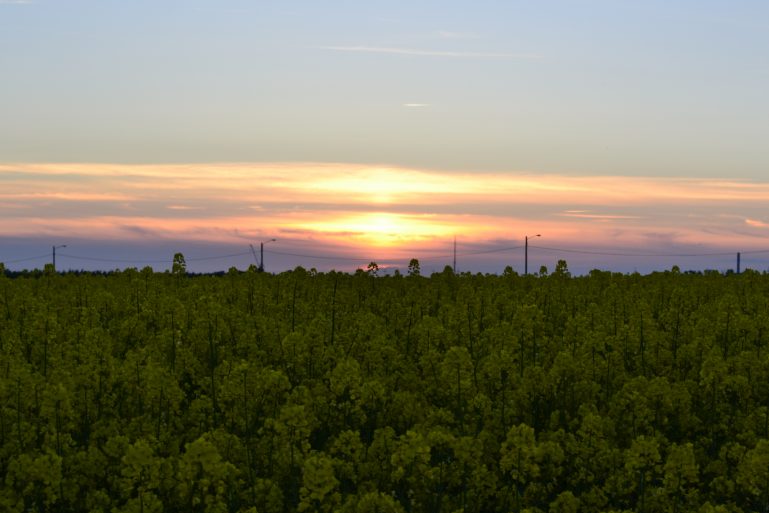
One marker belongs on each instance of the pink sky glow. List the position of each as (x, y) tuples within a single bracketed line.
[(387, 212)]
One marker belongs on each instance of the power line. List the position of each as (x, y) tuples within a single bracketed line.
[(404, 259), (754, 252), (323, 257), (217, 257), (486, 251), (606, 253), (470, 253), (755, 261), (163, 261), (27, 259), (115, 260)]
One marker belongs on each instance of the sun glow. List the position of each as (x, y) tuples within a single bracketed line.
[(380, 229), (359, 206)]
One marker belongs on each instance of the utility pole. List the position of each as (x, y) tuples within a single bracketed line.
[(738, 262), (526, 255), (261, 253), (54, 254)]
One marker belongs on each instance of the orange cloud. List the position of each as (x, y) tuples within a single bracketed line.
[(756, 223), (373, 206), (68, 196)]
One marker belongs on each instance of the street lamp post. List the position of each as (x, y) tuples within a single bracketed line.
[(526, 255), (261, 253), (54, 248)]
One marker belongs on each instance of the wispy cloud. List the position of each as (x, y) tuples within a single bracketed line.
[(67, 196), (416, 105), (587, 214), (417, 52), (183, 207), (367, 206), (222, 10), (755, 223), (448, 34)]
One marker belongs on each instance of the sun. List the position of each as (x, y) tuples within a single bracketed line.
[(381, 229)]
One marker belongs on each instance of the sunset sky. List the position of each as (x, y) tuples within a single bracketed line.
[(631, 135)]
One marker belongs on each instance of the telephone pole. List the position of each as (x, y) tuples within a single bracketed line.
[(738, 262), (53, 249), (526, 255), (261, 253)]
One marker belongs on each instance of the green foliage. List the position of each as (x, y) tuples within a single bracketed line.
[(204, 478), (179, 265), (566, 502), (319, 485), (372, 502), (32, 482), (753, 474), (681, 478), (562, 269), (308, 391)]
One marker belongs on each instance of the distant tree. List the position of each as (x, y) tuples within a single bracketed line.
[(179, 267), (562, 269), (372, 268), (414, 269)]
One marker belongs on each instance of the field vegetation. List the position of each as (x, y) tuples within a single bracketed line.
[(137, 391)]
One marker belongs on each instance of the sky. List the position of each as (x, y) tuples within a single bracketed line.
[(630, 135)]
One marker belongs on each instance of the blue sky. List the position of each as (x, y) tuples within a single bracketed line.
[(594, 86), (569, 88)]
